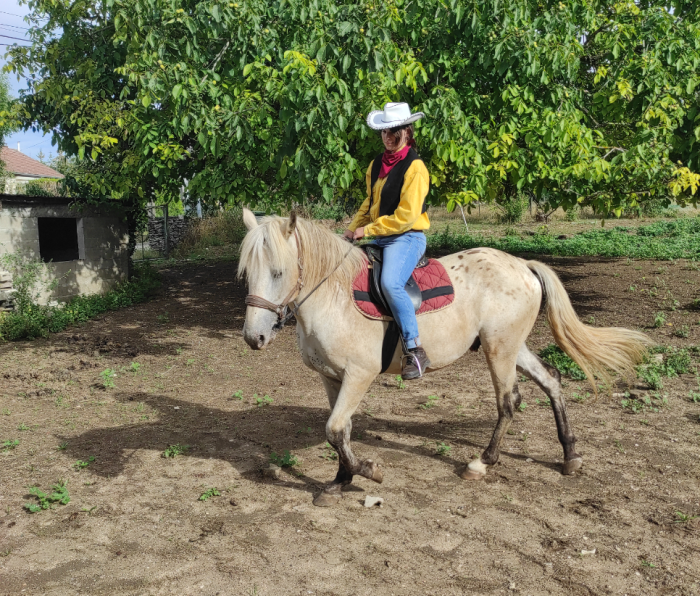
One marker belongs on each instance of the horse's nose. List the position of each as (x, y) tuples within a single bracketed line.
[(256, 341)]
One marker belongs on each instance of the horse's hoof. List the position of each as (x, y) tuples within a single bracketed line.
[(326, 499), (468, 474), (571, 466)]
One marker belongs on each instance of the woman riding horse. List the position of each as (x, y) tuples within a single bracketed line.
[(394, 212)]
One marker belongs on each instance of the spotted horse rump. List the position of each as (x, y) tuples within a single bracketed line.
[(434, 283)]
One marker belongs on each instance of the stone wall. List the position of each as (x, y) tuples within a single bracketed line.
[(177, 230)]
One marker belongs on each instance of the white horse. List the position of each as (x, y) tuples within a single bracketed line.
[(497, 298)]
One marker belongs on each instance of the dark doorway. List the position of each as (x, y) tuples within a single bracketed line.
[(58, 239)]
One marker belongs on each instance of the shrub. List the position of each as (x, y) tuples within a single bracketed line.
[(512, 211), (220, 229), (30, 320)]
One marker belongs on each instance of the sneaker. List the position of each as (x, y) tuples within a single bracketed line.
[(415, 363)]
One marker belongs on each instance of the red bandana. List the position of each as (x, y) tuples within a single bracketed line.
[(389, 160)]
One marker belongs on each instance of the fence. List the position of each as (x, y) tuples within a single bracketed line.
[(162, 234)]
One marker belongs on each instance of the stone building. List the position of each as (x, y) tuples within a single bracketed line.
[(25, 169), (87, 247)]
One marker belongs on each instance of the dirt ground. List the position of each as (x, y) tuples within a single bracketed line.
[(135, 524)]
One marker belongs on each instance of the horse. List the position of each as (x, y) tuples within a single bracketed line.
[(497, 300)]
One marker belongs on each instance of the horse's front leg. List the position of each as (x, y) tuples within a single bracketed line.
[(344, 399)]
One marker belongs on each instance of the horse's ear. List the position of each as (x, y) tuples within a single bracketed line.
[(249, 219), (291, 224)]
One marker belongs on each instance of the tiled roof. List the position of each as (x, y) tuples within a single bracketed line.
[(22, 165)]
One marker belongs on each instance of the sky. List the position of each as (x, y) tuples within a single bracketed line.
[(13, 25)]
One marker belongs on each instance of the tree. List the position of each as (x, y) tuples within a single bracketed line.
[(5, 127), (263, 101)]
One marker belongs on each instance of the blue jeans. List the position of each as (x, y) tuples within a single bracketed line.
[(401, 255)]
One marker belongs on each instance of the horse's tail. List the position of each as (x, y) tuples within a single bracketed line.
[(595, 350)]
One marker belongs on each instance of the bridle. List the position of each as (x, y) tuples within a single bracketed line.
[(283, 310)]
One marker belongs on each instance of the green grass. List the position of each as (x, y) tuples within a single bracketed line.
[(175, 450), (663, 240), (59, 496), (554, 355), (209, 493), (38, 321), (9, 444)]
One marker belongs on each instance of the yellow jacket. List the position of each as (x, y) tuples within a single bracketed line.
[(408, 214)]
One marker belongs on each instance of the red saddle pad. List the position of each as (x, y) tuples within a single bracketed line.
[(433, 281)]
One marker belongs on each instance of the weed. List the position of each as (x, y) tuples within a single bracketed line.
[(632, 289), (650, 375), (651, 403), (6, 412), (134, 367), (209, 493), (9, 445), (507, 497), (262, 401), (163, 319), (190, 361), (522, 406), (694, 397), (682, 518), (287, 460), (47, 501), (62, 447), (682, 331), (554, 355), (399, 382), (108, 375), (79, 465), (329, 454), (619, 446), (545, 402), (580, 397), (238, 395), (442, 449), (659, 319), (22, 426), (432, 401), (645, 563), (175, 450)]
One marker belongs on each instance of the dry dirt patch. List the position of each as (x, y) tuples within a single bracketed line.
[(135, 525)]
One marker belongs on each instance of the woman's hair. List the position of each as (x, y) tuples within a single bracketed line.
[(397, 132)]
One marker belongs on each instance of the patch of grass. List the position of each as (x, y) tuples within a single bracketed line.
[(59, 496), (682, 331), (163, 318), (209, 493), (644, 403), (262, 401), (175, 450), (329, 454), (579, 397), (79, 465), (134, 367), (442, 449), (555, 356), (108, 375), (432, 401), (9, 445), (544, 402), (663, 240), (399, 382), (286, 460), (62, 447), (22, 426), (35, 320), (683, 518)]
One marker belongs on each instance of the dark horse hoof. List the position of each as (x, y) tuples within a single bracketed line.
[(326, 499), (571, 466)]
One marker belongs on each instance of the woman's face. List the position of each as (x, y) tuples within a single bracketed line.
[(389, 139)]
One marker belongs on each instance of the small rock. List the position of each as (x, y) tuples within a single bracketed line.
[(529, 460), (372, 501), (272, 471), (587, 552), (511, 586), (233, 502)]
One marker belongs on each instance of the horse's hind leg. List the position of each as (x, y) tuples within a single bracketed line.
[(502, 366), (549, 380), (344, 399)]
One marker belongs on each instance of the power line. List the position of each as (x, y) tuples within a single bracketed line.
[(17, 38), (12, 14), (14, 27), (15, 44)]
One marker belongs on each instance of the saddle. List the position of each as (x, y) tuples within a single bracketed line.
[(374, 256)]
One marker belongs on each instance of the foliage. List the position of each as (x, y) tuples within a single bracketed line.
[(676, 361), (263, 101), (48, 501), (45, 187), (554, 355), (286, 460), (664, 240), (81, 465), (643, 403), (262, 401), (512, 210), (9, 445), (432, 401), (108, 375), (5, 126), (30, 320), (209, 493), (175, 450), (442, 448), (219, 229)]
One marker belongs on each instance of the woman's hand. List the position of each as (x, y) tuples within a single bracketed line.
[(348, 235), (359, 233)]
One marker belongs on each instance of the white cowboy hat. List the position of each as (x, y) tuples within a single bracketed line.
[(393, 115)]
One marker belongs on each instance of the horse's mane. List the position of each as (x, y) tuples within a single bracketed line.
[(266, 246)]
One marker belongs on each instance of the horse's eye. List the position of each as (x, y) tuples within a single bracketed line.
[(276, 274)]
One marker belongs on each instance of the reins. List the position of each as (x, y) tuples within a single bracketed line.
[(283, 310)]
